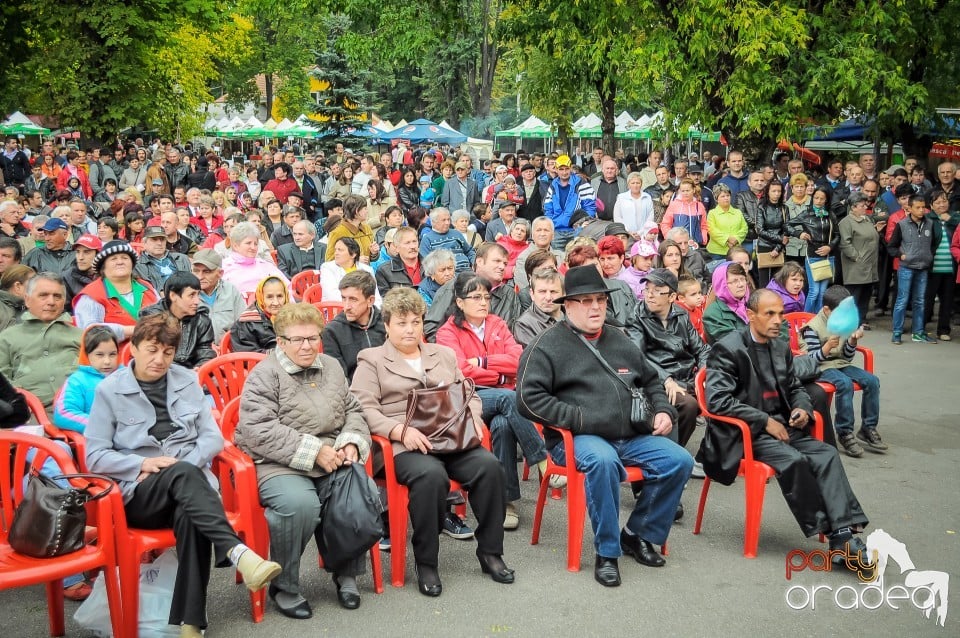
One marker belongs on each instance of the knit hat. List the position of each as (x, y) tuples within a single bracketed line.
[(115, 247)]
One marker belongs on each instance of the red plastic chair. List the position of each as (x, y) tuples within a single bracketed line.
[(303, 280), (132, 543), (755, 473), (126, 355), (225, 347), (17, 570), (223, 377), (797, 321), (329, 309), (576, 499), (398, 500), (75, 440), (313, 294), (250, 509)]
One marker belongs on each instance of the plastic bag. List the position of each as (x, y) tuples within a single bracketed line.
[(845, 319), (156, 594)]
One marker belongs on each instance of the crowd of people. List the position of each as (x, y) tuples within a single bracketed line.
[(579, 293)]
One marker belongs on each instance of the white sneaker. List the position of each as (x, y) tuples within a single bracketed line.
[(697, 471)]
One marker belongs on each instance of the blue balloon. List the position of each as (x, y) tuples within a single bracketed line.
[(845, 319)]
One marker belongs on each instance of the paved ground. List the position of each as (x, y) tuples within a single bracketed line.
[(707, 587)]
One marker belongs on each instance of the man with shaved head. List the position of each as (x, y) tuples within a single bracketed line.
[(751, 377)]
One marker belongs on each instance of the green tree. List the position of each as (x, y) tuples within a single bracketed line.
[(345, 101)]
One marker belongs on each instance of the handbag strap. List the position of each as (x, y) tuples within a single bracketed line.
[(91, 497), (606, 366)]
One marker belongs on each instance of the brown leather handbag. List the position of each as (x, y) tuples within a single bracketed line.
[(443, 415)]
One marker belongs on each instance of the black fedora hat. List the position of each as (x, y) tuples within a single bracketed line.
[(583, 280)]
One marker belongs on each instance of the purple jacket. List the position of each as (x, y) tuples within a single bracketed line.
[(790, 303)]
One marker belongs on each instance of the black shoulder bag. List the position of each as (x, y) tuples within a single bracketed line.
[(641, 412)]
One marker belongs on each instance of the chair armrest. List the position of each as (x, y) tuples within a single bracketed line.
[(568, 449), (745, 433), (817, 426), (386, 449), (867, 354)]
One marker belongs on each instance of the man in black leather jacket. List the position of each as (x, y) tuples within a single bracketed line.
[(751, 377), (181, 298), (673, 347)]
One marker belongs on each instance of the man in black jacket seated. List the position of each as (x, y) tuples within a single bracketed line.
[(673, 347), (750, 376), (562, 382), (181, 298), (359, 326)]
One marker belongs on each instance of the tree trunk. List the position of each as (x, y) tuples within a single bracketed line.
[(607, 92), (268, 93)]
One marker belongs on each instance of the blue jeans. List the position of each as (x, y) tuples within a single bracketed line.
[(912, 286), (561, 238), (666, 467), (843, 380), (816, 288), (507, 429)]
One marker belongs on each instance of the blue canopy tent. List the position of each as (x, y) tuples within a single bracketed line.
[(422, 130)]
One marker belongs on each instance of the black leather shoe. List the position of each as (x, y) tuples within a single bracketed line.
[(301, 611), (641, 550), (679, 513), (348, 600), (494, 565), (428, 580), (606, 571)]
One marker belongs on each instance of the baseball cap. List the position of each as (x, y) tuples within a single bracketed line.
[(390, 236), (527, 167), (564, 160), (462, 165), (425, 178), (207, 257), (893, 169), (153, 231), (55, 223), (662, 277), (694, 168), (89, 241)]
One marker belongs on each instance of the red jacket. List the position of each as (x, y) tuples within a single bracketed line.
[(892, 222), (114, 312), (281, 189), (955, 249), (514, 248), (65, 176), (499, 352)]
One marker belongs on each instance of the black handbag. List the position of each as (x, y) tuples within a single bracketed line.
[(350, 520), (51, 520)]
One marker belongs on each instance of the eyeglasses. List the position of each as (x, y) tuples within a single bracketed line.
[(478, 297), (590, 301), (299, 341)]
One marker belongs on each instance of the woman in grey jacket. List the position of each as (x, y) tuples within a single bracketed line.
[(299, 422), (151, 431)]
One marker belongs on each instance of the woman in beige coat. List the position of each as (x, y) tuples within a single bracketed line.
[(384, 378), (299, 423)]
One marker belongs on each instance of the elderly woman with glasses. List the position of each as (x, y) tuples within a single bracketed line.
[(300, 423)]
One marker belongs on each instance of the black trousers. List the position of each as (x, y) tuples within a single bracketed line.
[(180, 497), (813, 481), (688, 410), (861, 295), (887, 283), (940, 285), (427, 476)]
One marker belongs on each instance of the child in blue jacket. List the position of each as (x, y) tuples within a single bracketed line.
[(99, 356)]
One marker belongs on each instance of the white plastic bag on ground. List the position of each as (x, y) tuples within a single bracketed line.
[(156, 594)]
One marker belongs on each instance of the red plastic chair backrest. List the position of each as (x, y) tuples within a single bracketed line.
[(126, 355), (313, 294), (329, 309), (225, 347), (229, 418), (796, 321), (303, 280), (14, 467), (223, 376)]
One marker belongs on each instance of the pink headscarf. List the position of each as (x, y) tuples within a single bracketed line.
[(723, 293)]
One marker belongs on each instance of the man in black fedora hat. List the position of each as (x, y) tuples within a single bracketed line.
[(592, 380)]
